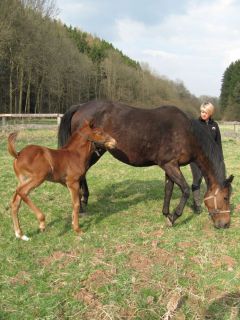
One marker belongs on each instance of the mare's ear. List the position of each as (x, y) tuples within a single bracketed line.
[(228, 181)]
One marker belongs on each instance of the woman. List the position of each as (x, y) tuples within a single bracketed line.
[(205, 119)]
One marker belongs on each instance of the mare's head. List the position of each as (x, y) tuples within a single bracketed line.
[(97, 135), (217, 201)]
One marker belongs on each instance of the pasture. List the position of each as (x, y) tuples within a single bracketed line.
[(128, 264)]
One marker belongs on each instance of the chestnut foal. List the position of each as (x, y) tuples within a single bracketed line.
[(35, 164)]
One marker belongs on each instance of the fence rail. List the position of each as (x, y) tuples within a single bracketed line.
[(5, 116), (6, 124)]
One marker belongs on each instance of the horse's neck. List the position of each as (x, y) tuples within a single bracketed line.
[(77, 141), (207, 169)]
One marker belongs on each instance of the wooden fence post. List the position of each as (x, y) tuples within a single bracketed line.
[(3, 121), (58, 120)]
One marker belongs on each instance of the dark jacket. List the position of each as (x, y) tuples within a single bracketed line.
[(213, 128)]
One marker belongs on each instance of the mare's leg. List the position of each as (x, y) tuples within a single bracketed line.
[(174, 173), (23, 191), (197, 179), (168, 194), (73, 187), (84, 194)]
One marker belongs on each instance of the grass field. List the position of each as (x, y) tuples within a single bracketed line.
[(128, 264)]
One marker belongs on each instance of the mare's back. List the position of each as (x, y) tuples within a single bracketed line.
[(152, 123)]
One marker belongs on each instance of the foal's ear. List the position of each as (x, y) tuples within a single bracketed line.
[(89, 123), (228, 181)]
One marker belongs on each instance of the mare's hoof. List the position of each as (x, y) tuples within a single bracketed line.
[(83, 209), (83, 213), (170, 221), (197, 209)]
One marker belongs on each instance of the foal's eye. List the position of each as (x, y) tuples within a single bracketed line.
[(226, 198)]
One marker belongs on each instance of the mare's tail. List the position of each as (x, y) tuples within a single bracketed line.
[(64, 131), (11, 144)]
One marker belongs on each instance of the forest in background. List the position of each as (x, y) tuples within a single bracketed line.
[(46, 66), (230, 92)]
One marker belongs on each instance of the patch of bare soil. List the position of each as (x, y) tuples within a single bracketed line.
[(184, 245), (87, 297), (99, 278), (224, 260), (162, 256), (21, 278), (91, 302), (64, 258), (123, 247), (140, 262)]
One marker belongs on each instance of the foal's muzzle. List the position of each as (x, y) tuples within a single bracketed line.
[(111, 143)]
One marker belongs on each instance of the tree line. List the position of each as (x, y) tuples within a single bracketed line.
[(230, 92), (46, 66)]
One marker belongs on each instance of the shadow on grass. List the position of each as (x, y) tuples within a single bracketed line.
[(119, 197), (122, 196), (66, 228), (224, 308)]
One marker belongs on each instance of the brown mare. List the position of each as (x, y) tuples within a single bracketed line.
[(35, 164), (164, 136)]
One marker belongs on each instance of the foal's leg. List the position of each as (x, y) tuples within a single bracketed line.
[(23, 192), (73, 187), (174, 173), (15, 205), (168, 194)]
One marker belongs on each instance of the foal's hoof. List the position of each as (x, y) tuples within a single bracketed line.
[(22, 237), (42, 225), (78, 231)]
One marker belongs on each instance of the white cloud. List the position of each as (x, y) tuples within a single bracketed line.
[(195, 46)]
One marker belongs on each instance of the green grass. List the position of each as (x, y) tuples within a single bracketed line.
[(128, 264)]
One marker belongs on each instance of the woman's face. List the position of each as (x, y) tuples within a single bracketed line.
[(204, 115)]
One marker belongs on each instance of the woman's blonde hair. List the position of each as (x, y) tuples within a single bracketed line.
[(207, 107)]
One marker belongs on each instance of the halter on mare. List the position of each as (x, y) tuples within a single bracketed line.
[(214, 197)]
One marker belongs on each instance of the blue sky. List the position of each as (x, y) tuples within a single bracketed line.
[(189, 40)]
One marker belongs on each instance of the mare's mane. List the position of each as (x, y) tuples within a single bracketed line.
[(211, 149)]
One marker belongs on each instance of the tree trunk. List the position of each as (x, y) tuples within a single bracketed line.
[(27, 104), (11, 87), (20, 90)]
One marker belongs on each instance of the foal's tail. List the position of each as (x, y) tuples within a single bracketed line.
[(11, 144)]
